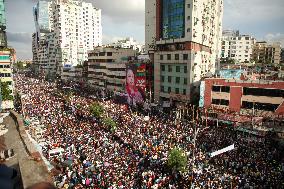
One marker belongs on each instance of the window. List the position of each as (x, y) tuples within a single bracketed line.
[(102, 54), (169, 79), (263, 92), (184, 92), (185, 69), (176, 56), (177, 90), (225, 89), (259, 106), (163, 67), (109, 53), (185, 81), (177, 69), (185, 56), (222, 102), (161, 57), (163, 78), (188, 18), (177, 79), (188, 5), (169, 89), (188, 30), (169, 68), (168, 57), (162, 89)]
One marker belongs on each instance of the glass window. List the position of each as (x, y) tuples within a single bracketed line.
[(176, 56), (163, 67), (169, 79), (177, 79), (185, 81), (184, 92), (162, 89), (161, 57), (169, 89), (162, 78), (169, 68), (177, 69), (177, 91), (168, 57), (185, 56), (185, 69)]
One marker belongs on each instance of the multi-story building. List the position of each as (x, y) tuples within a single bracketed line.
[(129, 43), (266, 53), (258, 98), (237, 47), (107, 67), (65, 31), (183, 39), (6, 76), (282, 56), (3, 37)]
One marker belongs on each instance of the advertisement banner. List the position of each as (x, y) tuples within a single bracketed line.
[(135, 83)]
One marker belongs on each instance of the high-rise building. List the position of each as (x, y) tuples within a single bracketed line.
[(65, 31), (183, 39), (3, 37)]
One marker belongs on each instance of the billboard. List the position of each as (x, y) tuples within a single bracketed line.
[(135, 83)]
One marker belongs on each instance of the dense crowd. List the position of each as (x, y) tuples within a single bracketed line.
[(135, 155)]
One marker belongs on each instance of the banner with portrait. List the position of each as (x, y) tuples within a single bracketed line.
[(135, 83)]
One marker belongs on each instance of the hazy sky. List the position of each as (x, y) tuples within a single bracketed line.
[(122, 18)]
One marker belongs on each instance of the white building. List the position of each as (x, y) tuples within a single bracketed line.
[(237, 47), (183, 39), (129, 43), (65, 31)]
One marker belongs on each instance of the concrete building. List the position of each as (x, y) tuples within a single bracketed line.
[(282, 56), (258, 98), (267, 53), (129, 43), (183, 40), (237, 47), (107, 67), (3, 37), (65, 31)]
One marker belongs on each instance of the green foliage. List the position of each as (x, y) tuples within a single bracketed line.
[(110, 123), (177, 160), (79, 66), (6, 92), (96, 110), (19, 65)]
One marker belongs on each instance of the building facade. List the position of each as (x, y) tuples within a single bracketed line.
[(237, 47), (267, 53), (258, 98), (65, 31), (107, 67), (183, 39), (3, 37), (129, 43)]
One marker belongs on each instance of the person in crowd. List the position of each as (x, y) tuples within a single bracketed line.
[(135, 155)]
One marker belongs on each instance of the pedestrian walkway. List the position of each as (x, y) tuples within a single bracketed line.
[(31, 171)]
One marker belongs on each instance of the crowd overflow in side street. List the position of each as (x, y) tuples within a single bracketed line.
[(88, 155)]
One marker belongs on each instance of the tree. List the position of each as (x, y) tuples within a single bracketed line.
[(96, 110), (177, 160), (19, 65), (110, 123), (6, 92)]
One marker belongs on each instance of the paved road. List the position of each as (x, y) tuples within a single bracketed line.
[(31, 171)]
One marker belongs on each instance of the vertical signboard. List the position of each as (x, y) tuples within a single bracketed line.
[(135, 83)]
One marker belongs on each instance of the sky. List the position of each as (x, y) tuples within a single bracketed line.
[(125, 18)]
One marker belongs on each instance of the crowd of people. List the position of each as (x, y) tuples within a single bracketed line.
[(135, 155)]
